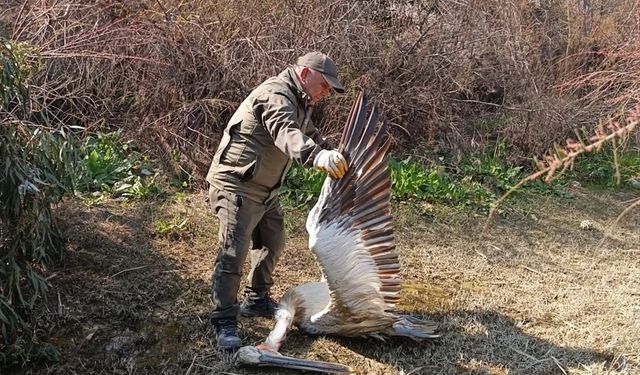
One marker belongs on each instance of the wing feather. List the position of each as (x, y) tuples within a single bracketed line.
[(351, 227)]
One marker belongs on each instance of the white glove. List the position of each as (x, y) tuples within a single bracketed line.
[(332, 162)]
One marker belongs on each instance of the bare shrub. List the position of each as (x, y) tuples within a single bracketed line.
[(172, 74)]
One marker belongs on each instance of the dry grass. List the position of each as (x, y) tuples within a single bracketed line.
[(534, 296)]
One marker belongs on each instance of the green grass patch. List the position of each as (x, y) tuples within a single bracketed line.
[(474, 183), (598, 169)]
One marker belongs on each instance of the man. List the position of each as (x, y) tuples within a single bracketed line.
[(270, 130)]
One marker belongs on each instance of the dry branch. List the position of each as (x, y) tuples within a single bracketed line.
[(153, 65), (561, 159)]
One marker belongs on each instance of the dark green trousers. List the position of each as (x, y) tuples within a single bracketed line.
[(243, 224)]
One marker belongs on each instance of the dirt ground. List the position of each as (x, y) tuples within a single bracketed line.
[(536, 294)]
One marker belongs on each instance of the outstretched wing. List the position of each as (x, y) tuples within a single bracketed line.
[(350, 227)]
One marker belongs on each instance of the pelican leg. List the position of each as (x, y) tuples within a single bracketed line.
[(276, 337), (251, 355)]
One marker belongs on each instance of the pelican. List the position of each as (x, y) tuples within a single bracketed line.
[(351, 235)]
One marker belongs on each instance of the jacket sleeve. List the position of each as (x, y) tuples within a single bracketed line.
[(317, 138), (278, 115)]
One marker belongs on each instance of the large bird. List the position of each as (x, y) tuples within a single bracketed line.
[(351, 235)]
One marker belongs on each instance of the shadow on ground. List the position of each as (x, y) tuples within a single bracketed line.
[(480, 342)]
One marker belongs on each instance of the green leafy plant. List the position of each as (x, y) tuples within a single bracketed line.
[(18, 61), (36, 165), (413, 181), (409, 181), (138, 187), (176, 228), (112, 166), (302, 185), (107, 160)]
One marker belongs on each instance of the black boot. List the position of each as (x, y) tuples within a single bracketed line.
[(226, 334), (254, 305)]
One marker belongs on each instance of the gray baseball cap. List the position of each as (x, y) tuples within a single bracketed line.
[(322, 63)]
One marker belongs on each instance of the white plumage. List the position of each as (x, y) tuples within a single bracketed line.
[(351, 235)]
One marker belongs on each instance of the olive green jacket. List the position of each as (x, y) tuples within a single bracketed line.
[(271, 128)]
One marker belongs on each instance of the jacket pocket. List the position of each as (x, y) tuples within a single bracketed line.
[(235, 156), (225, 142), (247, 172)]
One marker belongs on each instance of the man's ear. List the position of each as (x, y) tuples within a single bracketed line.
[(304, 73)]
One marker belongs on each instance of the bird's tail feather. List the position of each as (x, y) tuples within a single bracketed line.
[(414, 328)]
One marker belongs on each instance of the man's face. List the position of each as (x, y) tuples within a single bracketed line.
[(314, 85)]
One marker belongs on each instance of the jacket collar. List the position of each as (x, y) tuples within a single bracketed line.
[(291, 78)]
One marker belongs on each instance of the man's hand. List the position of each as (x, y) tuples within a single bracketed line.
[(331, 162)]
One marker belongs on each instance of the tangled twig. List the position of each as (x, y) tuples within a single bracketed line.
[(562, 159)]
